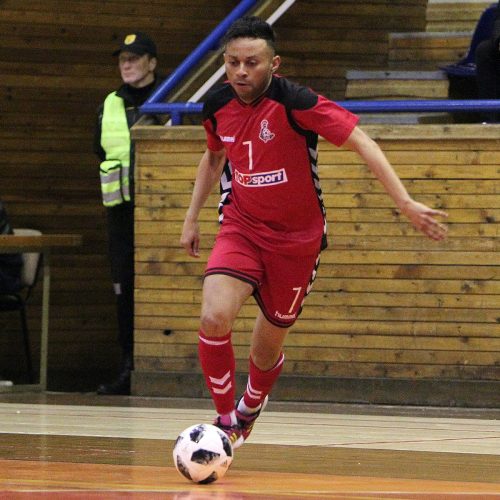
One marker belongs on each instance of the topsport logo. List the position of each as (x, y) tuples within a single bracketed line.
[(261, 179)]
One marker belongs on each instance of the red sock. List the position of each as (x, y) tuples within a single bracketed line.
[(261, 382), (217, 362)]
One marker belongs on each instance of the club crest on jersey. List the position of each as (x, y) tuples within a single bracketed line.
[(260, 179), (265, 134)]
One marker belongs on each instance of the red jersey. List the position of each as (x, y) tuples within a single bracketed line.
[(270, 185)]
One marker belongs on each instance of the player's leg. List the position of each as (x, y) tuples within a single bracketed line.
[(267, 342), (265, 364), (223, 297), (231, 277), (288, 279)]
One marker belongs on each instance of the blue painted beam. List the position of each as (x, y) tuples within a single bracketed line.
[(177, 109), (209, 43)]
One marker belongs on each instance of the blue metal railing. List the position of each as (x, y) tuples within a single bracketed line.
[(177, 109), (156, 105), (210, 43)]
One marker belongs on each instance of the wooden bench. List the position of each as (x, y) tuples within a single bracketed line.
[(43, 244)]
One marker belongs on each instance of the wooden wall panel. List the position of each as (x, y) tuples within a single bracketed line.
[(56, 68), (454, 16), (387, 302)]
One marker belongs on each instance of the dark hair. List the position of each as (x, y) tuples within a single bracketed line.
[(250, 27)]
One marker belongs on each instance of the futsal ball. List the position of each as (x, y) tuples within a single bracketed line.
[(202, 453)]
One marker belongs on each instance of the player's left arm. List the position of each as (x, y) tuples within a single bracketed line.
[(421, 216)]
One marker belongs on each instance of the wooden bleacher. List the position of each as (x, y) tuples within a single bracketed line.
[(452, 15), (319, 41), (426, 50), (414, 58)]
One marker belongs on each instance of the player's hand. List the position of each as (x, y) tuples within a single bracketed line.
[(423, 218), (190, 238)]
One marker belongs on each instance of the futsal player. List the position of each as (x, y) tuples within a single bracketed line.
[(262, 136)]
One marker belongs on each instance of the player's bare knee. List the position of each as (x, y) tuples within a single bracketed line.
[(264, 361), (215, 323)]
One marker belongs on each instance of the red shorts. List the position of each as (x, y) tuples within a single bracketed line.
[(281, 282)]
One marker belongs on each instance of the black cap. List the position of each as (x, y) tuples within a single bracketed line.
[(137, 43)]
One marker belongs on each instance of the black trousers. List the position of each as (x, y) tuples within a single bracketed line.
[(488, 74), (121, 252)]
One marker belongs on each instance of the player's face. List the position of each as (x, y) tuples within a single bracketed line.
[(250, 63), (137, 71)]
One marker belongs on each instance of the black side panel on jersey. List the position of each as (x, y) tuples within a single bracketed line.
[(216, 99), (294, 97), (297, 97)]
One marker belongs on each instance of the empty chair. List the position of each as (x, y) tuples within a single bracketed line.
[(17, 301)]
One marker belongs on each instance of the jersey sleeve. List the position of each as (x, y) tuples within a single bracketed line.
[(216, 99), (331, 121), (213, 141)]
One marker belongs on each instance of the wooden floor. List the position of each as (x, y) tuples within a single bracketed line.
[(79, 446)]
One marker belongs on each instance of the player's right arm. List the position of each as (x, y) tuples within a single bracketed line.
[(207, 176)]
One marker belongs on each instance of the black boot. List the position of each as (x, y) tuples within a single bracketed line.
[(121, 385)]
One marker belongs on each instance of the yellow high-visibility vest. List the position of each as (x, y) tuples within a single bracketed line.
[(115, 140)]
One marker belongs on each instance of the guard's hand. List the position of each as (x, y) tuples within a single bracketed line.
[(423, 218), (190, 238)]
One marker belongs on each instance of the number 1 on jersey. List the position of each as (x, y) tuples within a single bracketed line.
[(250, 154)]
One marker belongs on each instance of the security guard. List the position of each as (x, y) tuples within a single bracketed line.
[(137, 61)]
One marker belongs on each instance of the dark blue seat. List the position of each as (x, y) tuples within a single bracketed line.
[(466, 67)]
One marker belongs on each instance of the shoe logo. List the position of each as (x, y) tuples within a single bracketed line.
[(265, 134)]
